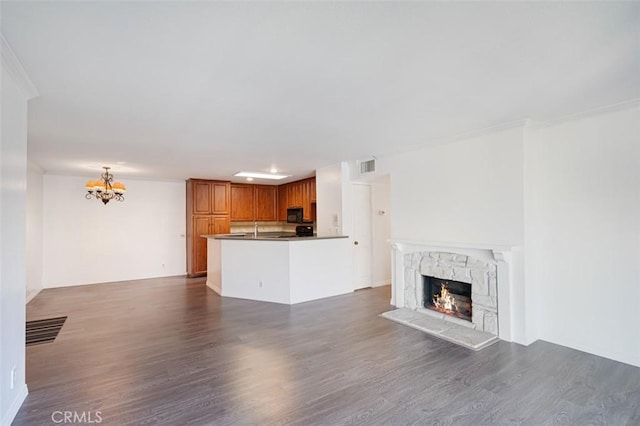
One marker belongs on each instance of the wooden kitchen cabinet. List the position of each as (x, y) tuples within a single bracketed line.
[(306, 200), (208, 207), (312, 190), (201, 197), (220, 225), (297, 194), (242, 202), (266, 202), (309, 199), (208, 197), (220, 198), (203, 225), (294, 194), (282, 202), (199, 255), (254, 202)]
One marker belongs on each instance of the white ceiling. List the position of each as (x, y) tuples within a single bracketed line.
[(176, 90)]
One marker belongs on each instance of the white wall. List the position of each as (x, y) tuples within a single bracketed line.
[(381, 230), (469, 191), (334, 190), (34, 230), (86, 242), (568, 195), (583, 233), (15, 90), (464, 194), (329, 200)]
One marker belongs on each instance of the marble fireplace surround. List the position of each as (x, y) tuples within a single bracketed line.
[(488, 268)]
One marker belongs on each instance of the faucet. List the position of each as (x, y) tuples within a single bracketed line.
[(255, 229)]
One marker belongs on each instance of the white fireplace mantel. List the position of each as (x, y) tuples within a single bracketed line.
[(498, 251), (500, 255)]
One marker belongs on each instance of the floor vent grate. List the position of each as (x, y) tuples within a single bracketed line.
[(44, 330)]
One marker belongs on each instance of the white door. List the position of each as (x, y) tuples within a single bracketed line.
[(362, 247)]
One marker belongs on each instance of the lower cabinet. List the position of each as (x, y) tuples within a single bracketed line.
[(197, 246)]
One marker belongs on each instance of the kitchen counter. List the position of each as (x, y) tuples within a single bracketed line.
[(272, 237), (280, 268)]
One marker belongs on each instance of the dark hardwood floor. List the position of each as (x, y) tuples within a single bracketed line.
[(170, 351)]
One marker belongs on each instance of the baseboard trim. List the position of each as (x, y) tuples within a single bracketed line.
[(380, 283), (216, 289), (33, 294), (112, 282), (15, 406)]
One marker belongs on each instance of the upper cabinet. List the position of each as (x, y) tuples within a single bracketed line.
[(294, 194), (220, 197), (266, 202), (269, 203), (298, 194), (242, 202), (208, 197), (282, 203), (312, 190), (306, 200), (254, 202), (201, 197)]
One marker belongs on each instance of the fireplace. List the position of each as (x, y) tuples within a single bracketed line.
[(448, 297), (467, 278)]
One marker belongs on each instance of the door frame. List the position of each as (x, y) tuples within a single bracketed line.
[(354, 215)]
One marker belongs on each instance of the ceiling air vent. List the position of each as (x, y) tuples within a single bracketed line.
[(368, 166)]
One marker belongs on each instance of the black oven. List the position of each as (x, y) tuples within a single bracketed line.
[(294, 215)]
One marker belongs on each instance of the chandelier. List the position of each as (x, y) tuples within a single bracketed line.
[(105, 189)]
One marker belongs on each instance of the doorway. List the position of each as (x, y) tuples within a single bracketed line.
[(371, 232), (362, 235)]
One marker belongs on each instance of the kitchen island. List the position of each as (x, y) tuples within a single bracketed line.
[(279, 268)]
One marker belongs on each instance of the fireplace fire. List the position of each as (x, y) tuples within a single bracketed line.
[(448, 297)]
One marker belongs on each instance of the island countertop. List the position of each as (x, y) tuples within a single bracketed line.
[(270, 237), (266, 269)]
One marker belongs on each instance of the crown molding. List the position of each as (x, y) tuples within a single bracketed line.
[(620, 106), (526, 124), (34, 167), (121, 176), (460, 137), (487, 131), (12, 65)]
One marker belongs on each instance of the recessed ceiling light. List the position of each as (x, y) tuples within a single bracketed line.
[(249, 179), (115, 167), (273, 170), (261, 175)]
